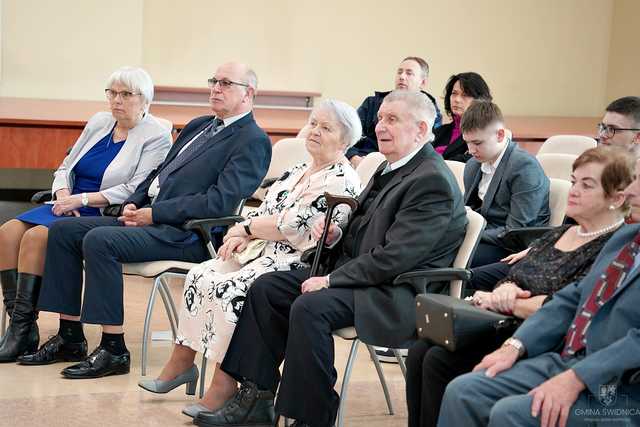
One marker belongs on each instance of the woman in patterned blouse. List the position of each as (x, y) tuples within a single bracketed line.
[(214, 291), (562, 256)]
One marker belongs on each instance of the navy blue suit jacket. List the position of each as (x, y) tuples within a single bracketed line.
[(225, 170)]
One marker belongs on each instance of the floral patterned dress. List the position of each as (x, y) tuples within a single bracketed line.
[(215, 291)]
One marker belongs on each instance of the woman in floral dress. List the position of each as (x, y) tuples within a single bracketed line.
[(214, 291)]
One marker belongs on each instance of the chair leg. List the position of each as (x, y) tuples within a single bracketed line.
[(383, 381), (147, 325), (203, 374), (345, 381), (400, 359), (167, 300)]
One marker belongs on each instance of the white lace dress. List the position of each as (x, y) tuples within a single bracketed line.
[(214, 291)]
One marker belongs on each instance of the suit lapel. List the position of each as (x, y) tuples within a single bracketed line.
[(97, 137), (397, 179), (474, 184), (631, 276), (178, 147), (364, 193), (218, 137), (495, 181)]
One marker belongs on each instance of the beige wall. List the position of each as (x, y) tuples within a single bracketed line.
[(540, 57), (624, 60), (67, 48)]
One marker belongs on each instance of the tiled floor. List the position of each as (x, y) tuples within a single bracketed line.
[(31, 396)]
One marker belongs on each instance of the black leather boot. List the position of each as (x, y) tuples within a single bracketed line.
[(248, 407), (22, 335), (8, 280)]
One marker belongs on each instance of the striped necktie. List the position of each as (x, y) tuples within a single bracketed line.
[(603, 290), (214, 127)]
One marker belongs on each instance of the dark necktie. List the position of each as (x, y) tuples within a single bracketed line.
[(216, 126), (603, 290)]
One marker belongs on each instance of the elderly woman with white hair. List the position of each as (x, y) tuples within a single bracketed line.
[(277, 234), (114, 153)]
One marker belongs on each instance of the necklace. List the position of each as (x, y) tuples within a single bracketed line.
[(604, 230)]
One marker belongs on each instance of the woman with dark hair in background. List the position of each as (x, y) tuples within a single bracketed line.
[(461, 90)]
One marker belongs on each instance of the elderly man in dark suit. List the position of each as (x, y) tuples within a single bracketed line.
[(504, 183), (580, 368), (410, 216), (215, 163)]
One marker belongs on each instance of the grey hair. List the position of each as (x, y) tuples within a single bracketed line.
[(251, 79), (136, 80), (347, 118), (419, 106)]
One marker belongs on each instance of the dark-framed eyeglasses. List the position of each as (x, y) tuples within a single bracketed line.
[(608, 131), (224, 83), (125, 95)]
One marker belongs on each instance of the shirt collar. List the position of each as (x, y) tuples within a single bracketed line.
[(403, 161), (490, 168), (229, 120)]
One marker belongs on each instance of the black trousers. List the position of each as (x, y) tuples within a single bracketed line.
[(486, 253), (279, 323), (485, 278), (102, 244), (430, 368)]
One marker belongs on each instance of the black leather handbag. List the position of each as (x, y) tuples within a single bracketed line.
[(456, 324)]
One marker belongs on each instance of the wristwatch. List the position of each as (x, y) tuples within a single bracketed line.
[(517, 344), (246, 224), (85, 199)]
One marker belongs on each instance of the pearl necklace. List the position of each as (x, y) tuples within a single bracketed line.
[(605, 230)]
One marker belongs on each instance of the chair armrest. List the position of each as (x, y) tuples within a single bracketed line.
[(518, 239), (268, 182), (209, 223), (203, 226), (41, 197), (420, 279)]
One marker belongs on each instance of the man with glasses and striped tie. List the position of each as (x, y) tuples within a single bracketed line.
[(217, 161)]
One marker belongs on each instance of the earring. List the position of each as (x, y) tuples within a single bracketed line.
[(611, 207)]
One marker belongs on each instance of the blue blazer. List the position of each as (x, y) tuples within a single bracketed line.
[(225, 170), (613, 338), (517, 197)]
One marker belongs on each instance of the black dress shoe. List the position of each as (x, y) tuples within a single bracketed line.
[(100, 363), (248, 407), (56, 349)]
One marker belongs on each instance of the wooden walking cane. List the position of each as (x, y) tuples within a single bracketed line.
[(332, 202)]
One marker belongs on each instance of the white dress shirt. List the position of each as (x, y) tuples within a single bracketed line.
[(403, 161), (489, 170)]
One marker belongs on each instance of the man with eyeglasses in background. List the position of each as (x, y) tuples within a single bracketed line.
[(217, 161), (620, 125)]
